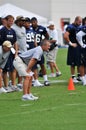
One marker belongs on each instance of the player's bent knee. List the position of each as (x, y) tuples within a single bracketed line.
[(28, 77)]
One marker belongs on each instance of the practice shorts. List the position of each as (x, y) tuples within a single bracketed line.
[(51, 56), (20, 66), (74, 56)]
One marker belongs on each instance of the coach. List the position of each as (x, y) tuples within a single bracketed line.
[(24, 64)]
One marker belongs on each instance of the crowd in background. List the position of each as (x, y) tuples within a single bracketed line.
[(25, 34)]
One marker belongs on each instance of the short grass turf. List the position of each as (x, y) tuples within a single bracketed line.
[(56, 109)]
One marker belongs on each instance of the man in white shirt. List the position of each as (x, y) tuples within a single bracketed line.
[(20, 33), (24, 64), (21, 40), (51, 55)]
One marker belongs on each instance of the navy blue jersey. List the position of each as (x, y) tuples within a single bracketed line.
[(39, 32), (30, 37), (7, 34), (10, 35), (83, 28), (73, 29)]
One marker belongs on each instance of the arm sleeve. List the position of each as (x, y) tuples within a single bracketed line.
[(79, 36), (69, 29), (44, 30)]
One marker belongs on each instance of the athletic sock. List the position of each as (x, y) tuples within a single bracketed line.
[(45, 77)]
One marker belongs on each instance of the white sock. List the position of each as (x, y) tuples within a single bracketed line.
[(83, 78), (85, 75), (45, 77)]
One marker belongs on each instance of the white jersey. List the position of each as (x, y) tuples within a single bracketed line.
[(21, 37), (35, 53), (3, 57)]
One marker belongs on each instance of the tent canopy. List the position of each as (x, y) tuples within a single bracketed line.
[(8, 9)]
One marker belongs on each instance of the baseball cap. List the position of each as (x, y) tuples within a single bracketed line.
[(20, 18), (50, 23), (33, 19), (27, 19), (7, 44)]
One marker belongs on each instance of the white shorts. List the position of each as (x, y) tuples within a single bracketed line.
[(51, 56), (20, 66)]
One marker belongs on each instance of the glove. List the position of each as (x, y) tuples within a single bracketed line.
[(84, 46)]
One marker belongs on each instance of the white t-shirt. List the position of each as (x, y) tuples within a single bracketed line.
[(21, 37), (35, 53), (53, 34)]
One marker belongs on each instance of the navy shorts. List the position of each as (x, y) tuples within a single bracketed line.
[(9, 65), (74, 56), (83, 56)]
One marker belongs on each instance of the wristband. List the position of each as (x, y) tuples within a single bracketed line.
[(70, 43)]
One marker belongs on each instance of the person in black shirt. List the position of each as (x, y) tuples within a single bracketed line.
[(73, 57), (40, 32)]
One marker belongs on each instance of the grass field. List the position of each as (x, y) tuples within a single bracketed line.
[(56, 109)]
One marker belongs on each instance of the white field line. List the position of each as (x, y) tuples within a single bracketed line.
[(56, 81), (25, 105), (42, 110), (76, 104), (72, 93)]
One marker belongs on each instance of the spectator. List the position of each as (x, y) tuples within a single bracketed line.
[(3, 21), (21, 40), (51, 55), (7, 33), (4, 54), (20, 33)]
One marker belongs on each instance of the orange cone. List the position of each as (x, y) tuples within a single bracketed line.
[(71, 84)]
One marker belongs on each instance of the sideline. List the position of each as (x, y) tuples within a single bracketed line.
[(55, 81)]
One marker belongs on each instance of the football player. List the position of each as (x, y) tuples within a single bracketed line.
[(81, 38), (73, 57), (40, 32)]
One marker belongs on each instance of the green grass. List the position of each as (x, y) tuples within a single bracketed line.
[(56, 109)]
